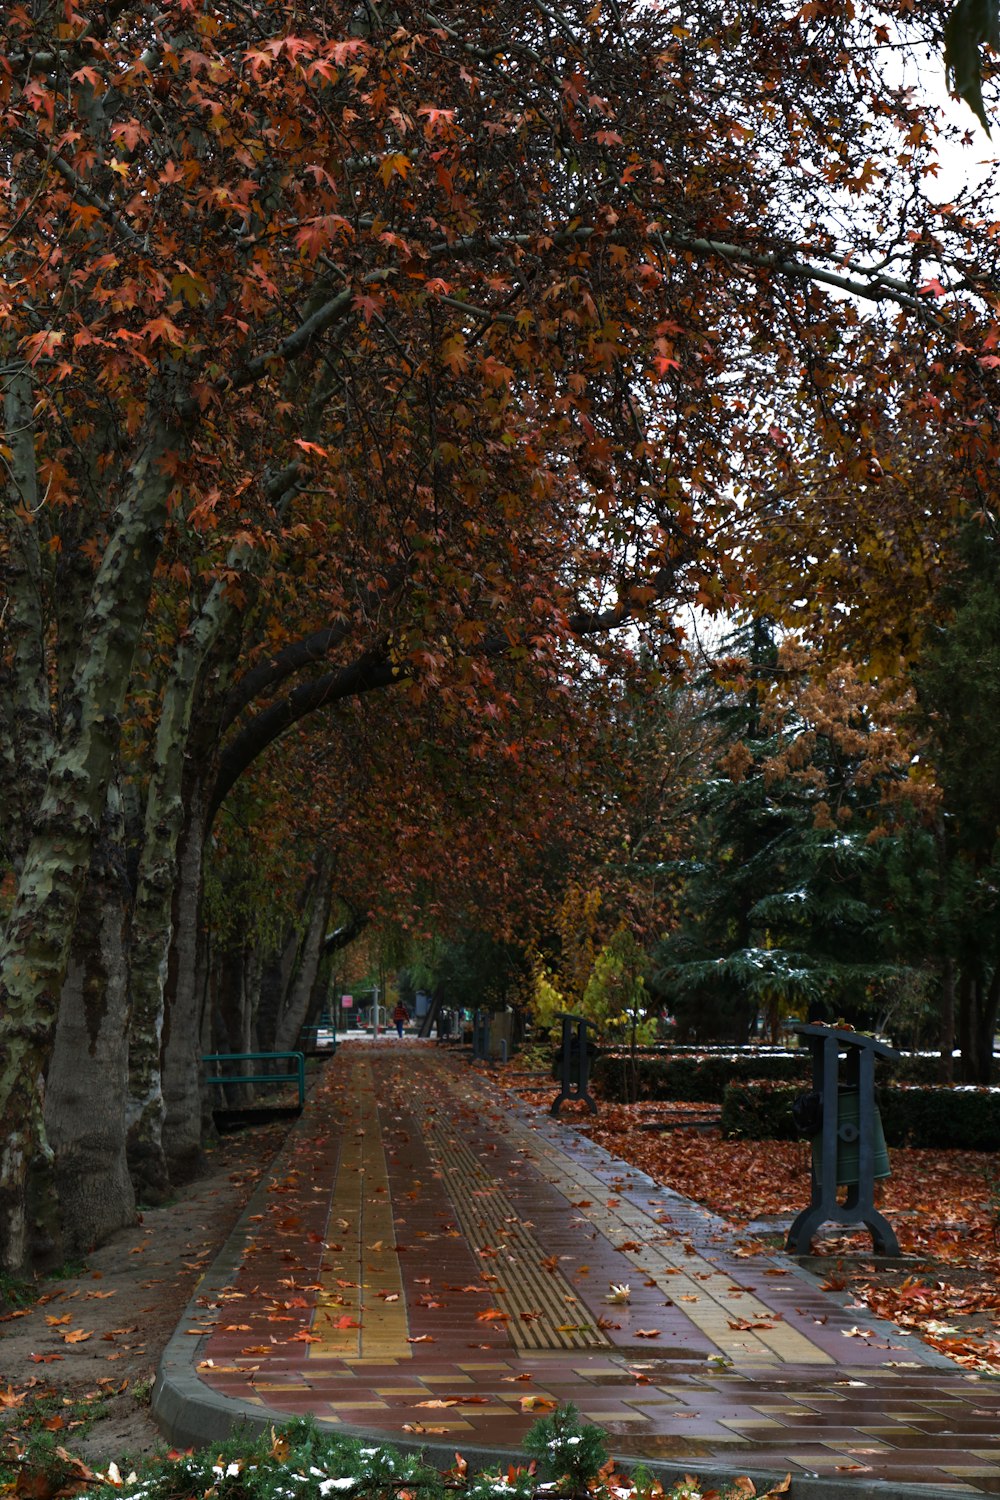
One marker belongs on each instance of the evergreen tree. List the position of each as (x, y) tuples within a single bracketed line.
[(785, 897)]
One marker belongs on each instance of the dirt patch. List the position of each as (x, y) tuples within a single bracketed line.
[(82, 1356)]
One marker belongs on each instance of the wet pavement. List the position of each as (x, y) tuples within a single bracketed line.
[(430, 1261)]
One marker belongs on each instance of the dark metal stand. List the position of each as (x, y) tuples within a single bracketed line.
[(574, 1052), (481, 1035), (826, 1043)]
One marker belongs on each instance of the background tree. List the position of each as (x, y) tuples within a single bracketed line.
[(786, 908)]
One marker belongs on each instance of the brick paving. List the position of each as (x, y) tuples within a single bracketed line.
[(429, 1258)]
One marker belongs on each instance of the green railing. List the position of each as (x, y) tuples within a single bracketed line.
[(297, 1076), (318, 1038)]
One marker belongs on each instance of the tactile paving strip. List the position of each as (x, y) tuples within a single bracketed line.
[(748, 1334), (537, 1298)]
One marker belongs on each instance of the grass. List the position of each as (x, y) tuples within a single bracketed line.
[(33, 1457), (70, 1270), (15, 1291)]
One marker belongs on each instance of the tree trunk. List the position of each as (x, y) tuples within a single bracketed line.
[(36, 948), (947, 1068), (275, 984), (152, 925), (28, 701), (86, 1081), (181, 1137), (296, 1009), (966, 1011), (986, 1025), (231, 1017)]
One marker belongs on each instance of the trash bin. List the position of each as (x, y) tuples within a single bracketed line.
[(848, 1136)]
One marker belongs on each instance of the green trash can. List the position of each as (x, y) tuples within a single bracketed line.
[(848, 1136)]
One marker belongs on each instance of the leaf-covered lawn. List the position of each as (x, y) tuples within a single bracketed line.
[(943, 1206)]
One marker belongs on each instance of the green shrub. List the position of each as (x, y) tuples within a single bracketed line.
[(959, 1119), (918, 1067), (702, 1077), (697, 1078), (568, 1452)]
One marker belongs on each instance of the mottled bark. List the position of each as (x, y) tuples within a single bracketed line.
[(36, 948), (86, 1081), (152, 924), (29, 727)]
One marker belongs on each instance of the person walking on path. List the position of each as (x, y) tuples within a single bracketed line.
[(400, 1015)]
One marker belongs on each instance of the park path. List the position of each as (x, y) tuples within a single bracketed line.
[(431, 1260)]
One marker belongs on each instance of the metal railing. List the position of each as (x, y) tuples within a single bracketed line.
[(296, 1075)]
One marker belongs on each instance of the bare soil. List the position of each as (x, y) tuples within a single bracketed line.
[(80, 1359)]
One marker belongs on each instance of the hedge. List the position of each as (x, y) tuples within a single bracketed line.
[(702, 1078), (959, 1119), (699, 1079)]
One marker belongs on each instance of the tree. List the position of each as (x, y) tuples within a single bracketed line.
[(787, 906), (957, 679)]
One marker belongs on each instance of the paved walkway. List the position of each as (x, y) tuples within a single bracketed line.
[(429, 1261)]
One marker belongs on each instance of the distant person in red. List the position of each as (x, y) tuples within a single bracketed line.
[(400, 1015)]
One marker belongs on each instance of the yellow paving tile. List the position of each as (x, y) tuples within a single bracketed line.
[(755, 1422), (363, 1217), (359, 1405)]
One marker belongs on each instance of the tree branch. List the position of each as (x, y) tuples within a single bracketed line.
[(372, 670)]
